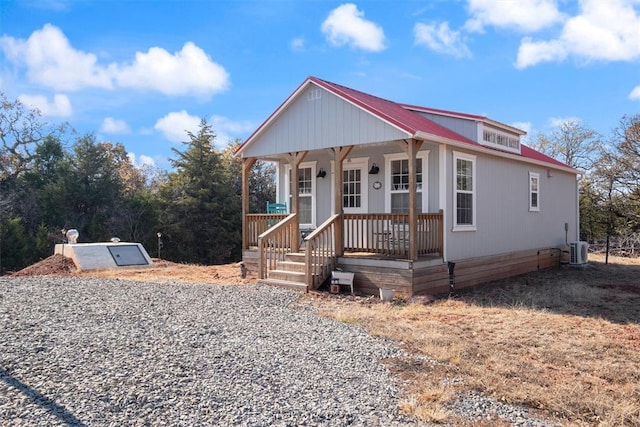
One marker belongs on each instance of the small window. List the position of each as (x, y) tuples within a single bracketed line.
[(464, 198), (534, 191)]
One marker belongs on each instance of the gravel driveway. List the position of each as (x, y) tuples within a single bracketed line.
[(78, 351)]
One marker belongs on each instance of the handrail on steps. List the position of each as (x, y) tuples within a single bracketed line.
[(275, 243), (320, 252)]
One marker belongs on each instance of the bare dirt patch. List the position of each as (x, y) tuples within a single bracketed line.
[(55, 265), (162, 271)]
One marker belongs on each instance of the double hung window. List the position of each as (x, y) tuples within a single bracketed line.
[(398, 182), (464, 198), (534, 192)]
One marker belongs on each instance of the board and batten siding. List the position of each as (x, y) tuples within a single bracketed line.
[(504, 223), (464, 127), (319, 119)]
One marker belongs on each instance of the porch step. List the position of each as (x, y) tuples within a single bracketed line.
[(292, 276), (291, 266), (295, 257), (287, 284)]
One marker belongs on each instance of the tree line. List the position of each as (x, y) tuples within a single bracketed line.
[(52, 179), (610, 181)]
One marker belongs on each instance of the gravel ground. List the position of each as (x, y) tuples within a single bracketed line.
[(79, 351), (109, 352)]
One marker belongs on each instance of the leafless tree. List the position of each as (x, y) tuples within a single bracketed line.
[(572, 143)]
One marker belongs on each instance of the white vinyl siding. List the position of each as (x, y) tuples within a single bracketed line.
[(534, 192), (464, 197)]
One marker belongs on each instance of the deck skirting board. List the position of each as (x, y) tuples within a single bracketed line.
[(434, 279)]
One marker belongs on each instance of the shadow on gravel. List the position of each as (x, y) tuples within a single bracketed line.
[(43, 401), (605, 291)]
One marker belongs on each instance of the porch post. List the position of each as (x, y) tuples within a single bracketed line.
[(294, 160), (247, 164), (339, 154), (412, 149)]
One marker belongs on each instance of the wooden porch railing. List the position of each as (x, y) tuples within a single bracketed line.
[(389, 233), (256, 224), (430, 233), (320, 253), (275, 243)]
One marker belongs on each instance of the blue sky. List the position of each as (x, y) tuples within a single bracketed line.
[(142, 72)]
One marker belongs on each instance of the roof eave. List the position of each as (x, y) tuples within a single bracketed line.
[(272, 117)]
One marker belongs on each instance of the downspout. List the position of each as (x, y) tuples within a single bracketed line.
[(452, 277), (442, 197)]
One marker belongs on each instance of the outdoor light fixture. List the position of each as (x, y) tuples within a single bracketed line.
[(321, 173), (374, 169)]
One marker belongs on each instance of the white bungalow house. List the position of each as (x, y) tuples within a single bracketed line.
[(411, 198)]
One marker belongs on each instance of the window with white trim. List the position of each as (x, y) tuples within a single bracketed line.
[(397, 197), (464, 197), (534, 192), (501, 140)]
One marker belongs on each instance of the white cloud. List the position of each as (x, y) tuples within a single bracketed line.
[(146, 160), (346, 25), (521, 15), (59, 107), (114, 126), (604, 30), (227, 130), (297, 44), (227, 125), (635, 93), (175, 126), (141, 161), (525, 126), (188, 72), (50, 60), (441, 39)]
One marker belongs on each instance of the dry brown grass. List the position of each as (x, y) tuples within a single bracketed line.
[(564, 341)]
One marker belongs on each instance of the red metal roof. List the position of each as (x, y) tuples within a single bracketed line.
[(401, 116), (530, 153), (444, 112), (392, 112)]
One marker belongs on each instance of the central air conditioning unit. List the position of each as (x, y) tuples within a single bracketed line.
[(579, 253)]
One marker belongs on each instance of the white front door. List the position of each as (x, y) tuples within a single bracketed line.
[(355, 192), (355, 185), (306, 195)]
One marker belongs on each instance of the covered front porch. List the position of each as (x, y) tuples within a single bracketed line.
[(287, 253), (284, 255), (370, 237)]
